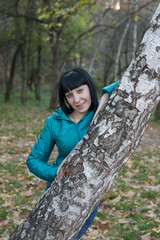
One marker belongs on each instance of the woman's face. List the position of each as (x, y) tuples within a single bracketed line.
[(79, 99)]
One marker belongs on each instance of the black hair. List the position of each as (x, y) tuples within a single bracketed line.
[(72, 79)]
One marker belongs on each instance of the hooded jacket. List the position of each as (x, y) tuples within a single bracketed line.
[(61, 131)]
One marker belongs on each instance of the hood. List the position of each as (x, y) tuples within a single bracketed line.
[(59, 114)]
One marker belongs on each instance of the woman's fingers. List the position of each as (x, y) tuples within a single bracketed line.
[(60, 172)]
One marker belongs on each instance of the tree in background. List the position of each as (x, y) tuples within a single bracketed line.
[(21, 34)]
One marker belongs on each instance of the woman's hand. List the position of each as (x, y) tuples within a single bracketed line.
[(104, 99), (60, 172)]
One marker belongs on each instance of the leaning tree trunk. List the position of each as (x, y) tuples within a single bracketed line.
[(95, 162)]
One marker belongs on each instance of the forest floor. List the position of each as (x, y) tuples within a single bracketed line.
[(129, 211)]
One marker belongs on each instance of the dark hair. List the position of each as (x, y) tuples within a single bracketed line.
[(72, 79)]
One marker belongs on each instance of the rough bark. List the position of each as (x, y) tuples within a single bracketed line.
[(96, 160)]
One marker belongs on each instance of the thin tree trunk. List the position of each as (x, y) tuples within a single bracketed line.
[(92, 61), (38, 75), (97, 159), (56, 75), (24, 74), (120, 48), (9, 84), (81, 58), (25, 52), (135, 29)]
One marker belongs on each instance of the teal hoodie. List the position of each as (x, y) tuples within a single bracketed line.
[(61, 131)]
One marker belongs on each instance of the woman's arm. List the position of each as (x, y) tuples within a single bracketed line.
[(37, 161), (60, 173), (104, 99), (110, 88), (106, 93)]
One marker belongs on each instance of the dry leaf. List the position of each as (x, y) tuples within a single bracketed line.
[(146, 236)]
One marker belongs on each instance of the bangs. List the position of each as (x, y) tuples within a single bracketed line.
[(72, 80)]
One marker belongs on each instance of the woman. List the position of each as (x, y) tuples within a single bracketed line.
[(67, 126)]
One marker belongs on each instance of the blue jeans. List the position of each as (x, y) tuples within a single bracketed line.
[(88, 221)]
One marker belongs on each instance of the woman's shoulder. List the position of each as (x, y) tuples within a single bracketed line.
[(57, 115), (110, 88), (52, 122)]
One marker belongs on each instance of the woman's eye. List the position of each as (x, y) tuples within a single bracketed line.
[(68, 95), (80, 90)]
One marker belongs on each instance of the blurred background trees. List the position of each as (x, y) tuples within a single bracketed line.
[(41, 39)]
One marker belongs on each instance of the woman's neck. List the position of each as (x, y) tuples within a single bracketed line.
[(76, 117)]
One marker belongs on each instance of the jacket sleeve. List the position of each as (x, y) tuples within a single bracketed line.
[(110, 88), (37, 161)]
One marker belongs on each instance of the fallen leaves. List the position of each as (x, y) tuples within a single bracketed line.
[(157, 230), (146, 236)]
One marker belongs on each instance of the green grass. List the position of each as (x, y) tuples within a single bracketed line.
[(31, 103)]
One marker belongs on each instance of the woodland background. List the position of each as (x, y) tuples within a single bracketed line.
[(39, 40)]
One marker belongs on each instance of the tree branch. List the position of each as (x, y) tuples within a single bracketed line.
[(74, 44)]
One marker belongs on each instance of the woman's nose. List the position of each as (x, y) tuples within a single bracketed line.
[(76, 98)]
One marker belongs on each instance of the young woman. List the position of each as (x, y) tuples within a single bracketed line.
[(67, 126)]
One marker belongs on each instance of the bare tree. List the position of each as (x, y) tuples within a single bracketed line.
[(97, 159)]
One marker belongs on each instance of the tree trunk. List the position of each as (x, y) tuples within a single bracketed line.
[(25, 51), (120, 49), (135, 28), (97, 159), (56, 75), (9, 84), (38, 75), (24, 74), (56, 72)]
